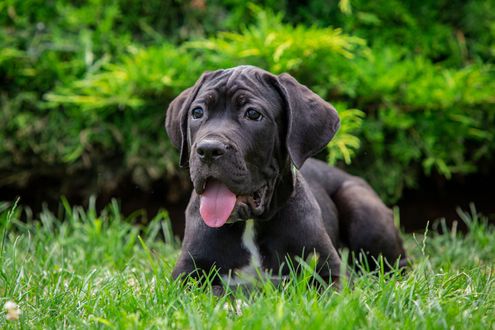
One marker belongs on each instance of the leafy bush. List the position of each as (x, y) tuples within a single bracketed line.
[(147, 79), (49, 45), (87, 84), (423, 117)]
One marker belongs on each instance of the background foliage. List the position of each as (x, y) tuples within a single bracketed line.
[(85, 84)]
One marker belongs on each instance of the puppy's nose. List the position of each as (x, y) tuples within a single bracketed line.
[(210, 150)]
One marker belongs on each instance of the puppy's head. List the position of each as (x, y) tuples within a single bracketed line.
[(238, 131)]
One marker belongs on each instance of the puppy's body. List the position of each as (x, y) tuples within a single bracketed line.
[(244, 132), (328, 209)]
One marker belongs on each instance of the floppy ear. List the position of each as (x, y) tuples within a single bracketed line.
[(311, 122), (176, 123), (173, 118), (176, 118)]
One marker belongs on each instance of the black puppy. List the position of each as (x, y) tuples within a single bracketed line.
[(245, 135)]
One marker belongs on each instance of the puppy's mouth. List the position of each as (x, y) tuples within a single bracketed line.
[(219, 205)]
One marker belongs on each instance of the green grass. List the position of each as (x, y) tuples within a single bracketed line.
[(80, 269)]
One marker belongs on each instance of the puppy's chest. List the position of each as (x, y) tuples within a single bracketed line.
[(249, 243), (264, 256), (265, 250)]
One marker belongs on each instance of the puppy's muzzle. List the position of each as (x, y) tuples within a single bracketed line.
[(209, 150)]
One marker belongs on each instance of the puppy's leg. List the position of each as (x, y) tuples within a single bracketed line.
[(367, 225)]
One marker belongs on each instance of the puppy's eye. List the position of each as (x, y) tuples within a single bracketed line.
[(252, 114), (197, 113)]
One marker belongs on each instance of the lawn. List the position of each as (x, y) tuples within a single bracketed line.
[(83, 269)]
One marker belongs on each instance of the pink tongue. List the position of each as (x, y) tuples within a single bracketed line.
[(216, 204)]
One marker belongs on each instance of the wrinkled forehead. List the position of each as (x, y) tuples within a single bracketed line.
[(241, 84)]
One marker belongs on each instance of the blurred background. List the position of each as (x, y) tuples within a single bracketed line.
[(84, 86)]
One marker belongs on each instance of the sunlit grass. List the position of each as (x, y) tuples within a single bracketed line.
[(81, 269)]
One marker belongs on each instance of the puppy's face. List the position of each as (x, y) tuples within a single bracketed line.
[(238, 129), (234, 127)]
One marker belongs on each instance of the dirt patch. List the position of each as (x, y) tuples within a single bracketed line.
[(436, 198)]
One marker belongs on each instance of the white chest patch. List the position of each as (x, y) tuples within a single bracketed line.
[(248, 240), (248, 274)]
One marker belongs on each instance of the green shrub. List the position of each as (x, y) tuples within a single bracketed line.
[(51, 45), (87, 84), (147, 79), (421, 117)]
